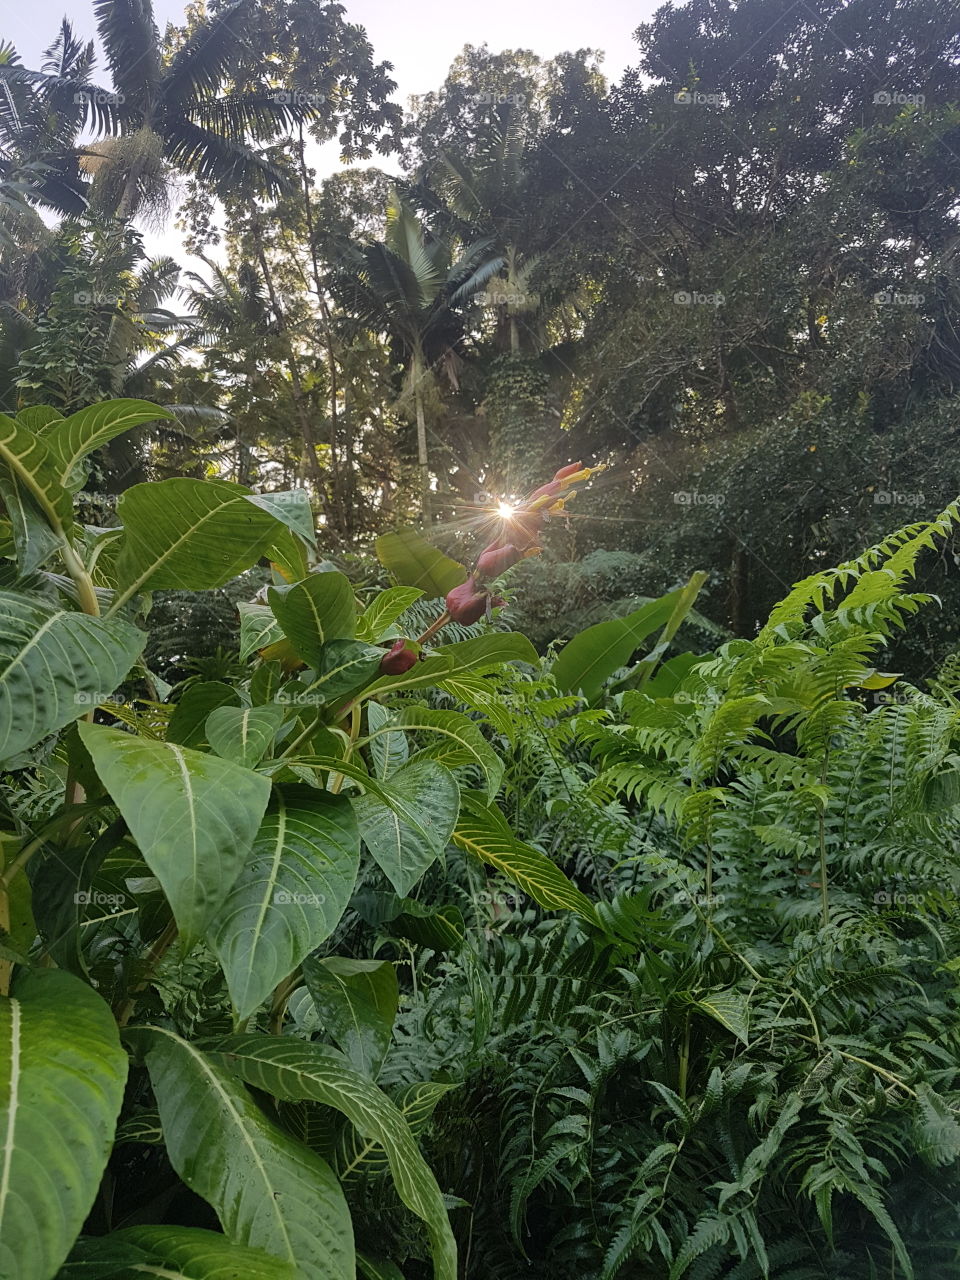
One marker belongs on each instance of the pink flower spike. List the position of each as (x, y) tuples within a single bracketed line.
[(495, 560), (570, 469), (546, 490)]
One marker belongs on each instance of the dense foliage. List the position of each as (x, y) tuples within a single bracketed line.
[(406, 871)]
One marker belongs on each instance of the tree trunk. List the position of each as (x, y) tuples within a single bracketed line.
[(307, 434), (422, 458), (337, 483)]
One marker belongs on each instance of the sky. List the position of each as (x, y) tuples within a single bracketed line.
[(420, 37)]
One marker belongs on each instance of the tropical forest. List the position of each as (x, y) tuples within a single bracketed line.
[(480, 640)]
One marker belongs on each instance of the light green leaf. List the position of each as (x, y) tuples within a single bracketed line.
[(414, 563), (55, 666), (193, 816), (294, 1071), (378, 618), (292, 508), (186, 534), (407, 834), (320, 608), (357, 1001), (290, 895), (593, 655), (258, 628), (39, 507), (483, 831), (454, 740), (171, 1253), (389, 749), (731, 1008), (62, 1076), (71, 439), (38, 418), (243, 734), (269, 1191)]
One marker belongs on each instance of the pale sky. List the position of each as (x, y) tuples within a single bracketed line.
[(420, 37)]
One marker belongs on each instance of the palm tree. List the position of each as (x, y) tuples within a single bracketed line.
[(172, 111), (409, 286), (41, 117)]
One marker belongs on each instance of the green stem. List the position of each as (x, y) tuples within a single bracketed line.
[(82, 581), (152, 957)]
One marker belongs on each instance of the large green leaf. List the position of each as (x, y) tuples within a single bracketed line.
[(414, 563), (55, 666), (344, 666), (269, 1191), (357, 1001), (320, 608), (193, 816), (172, 1253), (39, 507), (360, 1154), (39, 418), (409, 833), (289, 1069), (484, 832), (243, 734), (71, 439), (62, 1076), (593, 655), (290, 895), (186, 534)]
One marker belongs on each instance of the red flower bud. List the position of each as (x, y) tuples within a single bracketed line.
[(466, 604), (495, 560), (397, 659), (568, 470)]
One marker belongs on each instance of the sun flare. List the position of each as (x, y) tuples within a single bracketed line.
[(505, 509)]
